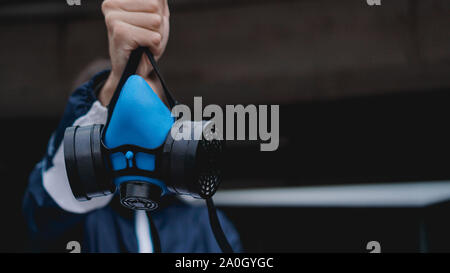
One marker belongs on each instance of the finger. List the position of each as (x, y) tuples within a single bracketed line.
[(150, 21), (166, 10), (134, 5), (131, 37)]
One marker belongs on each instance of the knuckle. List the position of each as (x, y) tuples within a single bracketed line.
[(119, 31), (106, 5), (109, 20), (153, 6), (158, 20), (156, 39)]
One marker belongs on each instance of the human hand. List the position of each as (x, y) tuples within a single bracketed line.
[(130, 24)]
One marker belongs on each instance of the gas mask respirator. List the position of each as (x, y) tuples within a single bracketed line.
[(136, 154)]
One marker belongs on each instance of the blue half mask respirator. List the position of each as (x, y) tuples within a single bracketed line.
[(135, 153)]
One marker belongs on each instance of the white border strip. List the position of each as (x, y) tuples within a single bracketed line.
[(416, 194)]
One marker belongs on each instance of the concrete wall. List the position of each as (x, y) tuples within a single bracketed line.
[(236, 51)]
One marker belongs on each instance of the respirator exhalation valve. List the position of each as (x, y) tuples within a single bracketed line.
[(140, 196)]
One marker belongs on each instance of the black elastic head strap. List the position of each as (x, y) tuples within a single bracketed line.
[(130, 69), (217, 228), (170, 99)]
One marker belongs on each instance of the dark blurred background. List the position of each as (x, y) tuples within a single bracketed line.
[(363, 93)]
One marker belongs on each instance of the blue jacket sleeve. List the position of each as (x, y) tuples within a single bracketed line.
[(185, 228), (46, 216)]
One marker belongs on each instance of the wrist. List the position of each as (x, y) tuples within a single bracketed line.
[(107, 91)]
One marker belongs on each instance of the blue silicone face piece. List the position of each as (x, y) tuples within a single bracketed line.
[(139, 118)]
